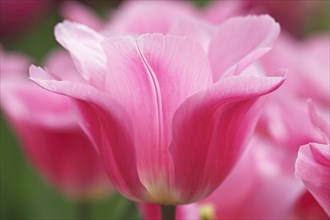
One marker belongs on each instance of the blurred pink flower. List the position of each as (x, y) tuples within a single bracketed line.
[(285, 120), (268, 178), (308, 77), (281, 120), (17, 15), (161, 110), (313, 163), (52, 140), (308, 65)]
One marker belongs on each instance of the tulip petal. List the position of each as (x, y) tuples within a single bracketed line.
[(107, 125), (162, 71), (86, 52), (238, 38), (213, 127), (313, 168)]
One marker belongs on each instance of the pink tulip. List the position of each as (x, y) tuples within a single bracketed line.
[(313, 164), (52, 140), (168, 122)]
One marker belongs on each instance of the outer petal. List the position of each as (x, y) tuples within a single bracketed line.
[(214, 126), (239, 38), (84, 46), (107, 124), (313, 168), (162, 71)]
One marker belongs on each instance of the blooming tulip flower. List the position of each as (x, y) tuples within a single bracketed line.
[(166, 119), (313, 164), (52, 140)]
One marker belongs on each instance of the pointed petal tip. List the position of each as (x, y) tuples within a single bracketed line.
[(266, 18), (278, 81), (37, 73)]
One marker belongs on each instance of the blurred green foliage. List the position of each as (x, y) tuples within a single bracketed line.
[(318, 20)]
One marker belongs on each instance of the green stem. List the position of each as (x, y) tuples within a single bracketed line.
[(83, 210), (168, 212)]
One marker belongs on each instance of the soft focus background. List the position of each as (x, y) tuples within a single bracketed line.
[(23, 194)]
